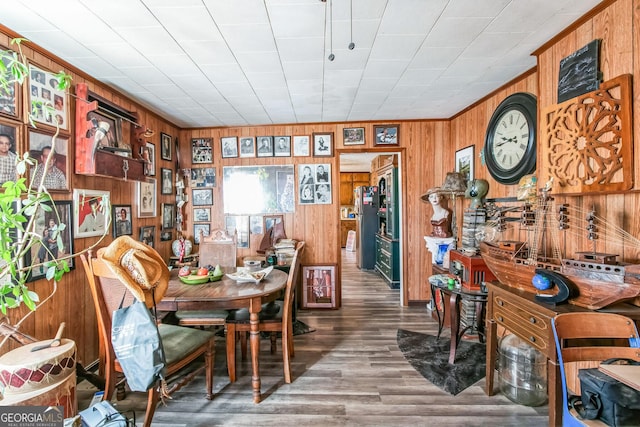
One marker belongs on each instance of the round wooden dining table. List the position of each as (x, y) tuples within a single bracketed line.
[(228, 294)]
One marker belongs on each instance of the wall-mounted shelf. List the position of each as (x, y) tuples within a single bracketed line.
[(93, 160)]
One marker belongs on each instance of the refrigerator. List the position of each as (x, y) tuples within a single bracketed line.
[(366, 207)]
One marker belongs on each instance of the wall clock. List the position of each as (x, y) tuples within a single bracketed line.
[(510, 143)]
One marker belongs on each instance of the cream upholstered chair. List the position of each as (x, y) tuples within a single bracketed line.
[(274, 317), (583, 340), (217, 248), (182, 346)]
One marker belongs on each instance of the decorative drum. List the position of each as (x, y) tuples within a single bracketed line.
[(44, 377)]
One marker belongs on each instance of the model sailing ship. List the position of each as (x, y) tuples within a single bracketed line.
[(598, 278)]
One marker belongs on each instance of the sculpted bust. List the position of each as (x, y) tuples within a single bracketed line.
[(441, 218)]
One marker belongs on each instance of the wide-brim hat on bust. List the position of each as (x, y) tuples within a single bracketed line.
[(425, 196), (140, 268)]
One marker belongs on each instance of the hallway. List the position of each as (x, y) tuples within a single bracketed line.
[(349, 372)]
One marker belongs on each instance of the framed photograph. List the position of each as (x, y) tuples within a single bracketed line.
[(197, 228), (148, 235), (319, 285), (314, 184), (285, 195), (268, 221), (255, 224), (148, 153), (203, 177), (106, 130), (202, 197), (265, 146), (201, 150), (146, 198), (166, 236), (10, 134), (49, 105), (56, 226), (247, 147), (229, 146), (301, 146), (282, 146), (167, 181), (323, 144), (353, 136), (165, 144), (9, 102), (464, 162), (121, 221), (168, 215), (202, 214), (90, 212), (238, 224), (57, 176), (386, 134)]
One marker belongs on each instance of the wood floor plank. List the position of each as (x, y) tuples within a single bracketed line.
[(349, 372)]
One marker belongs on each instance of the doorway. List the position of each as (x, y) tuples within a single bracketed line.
[(359, 162)]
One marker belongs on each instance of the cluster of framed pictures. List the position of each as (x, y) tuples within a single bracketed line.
[(314, 186)]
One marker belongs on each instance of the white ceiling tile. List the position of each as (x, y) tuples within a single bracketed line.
[(456, 32), (400, 47), (249, 38), (188, 23)]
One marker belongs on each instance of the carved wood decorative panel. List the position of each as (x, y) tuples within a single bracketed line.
[(587, 142)]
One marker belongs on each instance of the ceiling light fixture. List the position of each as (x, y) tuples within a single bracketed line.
[(352, 45)]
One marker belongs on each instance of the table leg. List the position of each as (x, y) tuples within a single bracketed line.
[(435, 307), (492, 348), (554, 391), (454, 316), (254, 309)]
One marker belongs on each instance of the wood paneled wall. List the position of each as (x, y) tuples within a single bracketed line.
[(427, 149)]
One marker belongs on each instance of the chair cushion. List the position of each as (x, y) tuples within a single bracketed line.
[(201, 314), (180, 341), (270, 312)]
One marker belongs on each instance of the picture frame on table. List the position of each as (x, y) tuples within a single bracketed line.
[(202, 214), (201, 150), (247, 146), (197, 229), (353, 136), (148, 235), (319, 285), (264, 146), (11, 134), (238, 225), (56, 225), (121, 221), (168, 215), (301, 146), (165, 146), (90, 212), (202, 197), (167, 181), (386, 134), (10, 104), (57, 176), (255, 224), (44, 92), (323, 144), (464, 162), (268, 221), (282, 146), (146, 197), (229, 146), (203, 177)]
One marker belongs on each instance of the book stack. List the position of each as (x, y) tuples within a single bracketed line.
[(473, 219), (285, 249)]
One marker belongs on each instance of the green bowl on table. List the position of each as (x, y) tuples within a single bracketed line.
[(215, 278), (193, 279)]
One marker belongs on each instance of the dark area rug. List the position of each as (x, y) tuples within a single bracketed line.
[(430, 358)]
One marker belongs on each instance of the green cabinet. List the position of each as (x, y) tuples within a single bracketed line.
[(387, 260)]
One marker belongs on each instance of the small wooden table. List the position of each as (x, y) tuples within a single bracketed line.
[(228, 294)]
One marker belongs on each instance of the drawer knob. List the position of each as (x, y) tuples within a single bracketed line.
[(532, 339), (532, 320), (500, 303), (500, 319)]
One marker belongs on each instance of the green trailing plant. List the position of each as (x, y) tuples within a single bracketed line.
[(20, 200)]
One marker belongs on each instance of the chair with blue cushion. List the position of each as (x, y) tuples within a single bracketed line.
[(583, 340)]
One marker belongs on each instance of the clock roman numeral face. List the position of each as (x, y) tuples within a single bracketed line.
[(510, 139)]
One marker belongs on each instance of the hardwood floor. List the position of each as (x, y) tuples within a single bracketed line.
[(349, 372)]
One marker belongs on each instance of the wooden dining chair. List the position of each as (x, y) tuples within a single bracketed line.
[(274, 317), (217, 248), (182, 346), (583, 340)]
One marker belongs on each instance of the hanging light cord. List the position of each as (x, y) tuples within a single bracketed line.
[(331, 55), (351, 44)]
